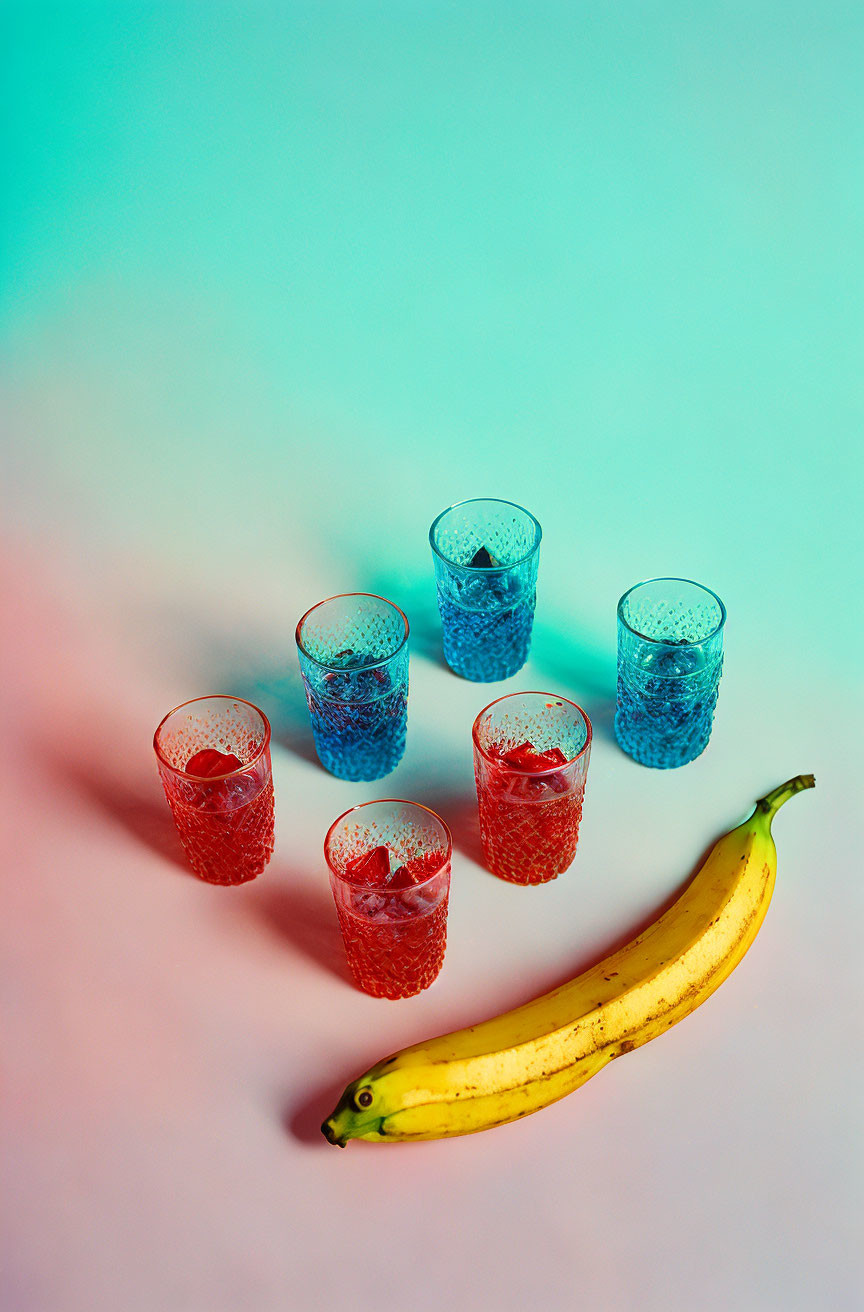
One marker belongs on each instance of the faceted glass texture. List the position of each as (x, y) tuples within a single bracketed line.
[(486, 554), (394, 938), (670, 658), (529, 818), (353, 653), (226, 821)]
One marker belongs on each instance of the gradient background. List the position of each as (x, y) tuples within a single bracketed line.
[(280, 282)]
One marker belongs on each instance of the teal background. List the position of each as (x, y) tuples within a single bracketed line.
[(323, 269), (279, 282)]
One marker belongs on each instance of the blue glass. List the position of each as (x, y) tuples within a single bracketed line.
[(670, 656), (486, 554), (353, 653)]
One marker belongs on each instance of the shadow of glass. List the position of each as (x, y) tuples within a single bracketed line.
[(578, 664), (573, 659), (264, 672), (304, 917), (281, 697), (417, 598), (146, 818), (459, 813)]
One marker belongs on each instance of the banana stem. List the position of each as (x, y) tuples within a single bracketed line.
[(770, 804)]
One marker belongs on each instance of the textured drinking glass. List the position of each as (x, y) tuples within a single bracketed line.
[(529, 809), (394, 936), (353, 652), (670, 655), (486, 555), (214, 762)]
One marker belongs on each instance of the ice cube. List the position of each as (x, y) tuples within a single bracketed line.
[(208, 763), (349, 659), (675, 660), (398, 908), (417, 869), (522, 757), (527, 779), (482, 559), (559, 783), (370, 869), (417, 901), (241, 789), (371, 905), (525, 787), (401, 879), (526, 757), (355, 681)]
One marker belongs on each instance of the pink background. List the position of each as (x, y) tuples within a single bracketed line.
[(171, 1048)]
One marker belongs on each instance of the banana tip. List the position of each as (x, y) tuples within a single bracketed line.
[(331, 1136)]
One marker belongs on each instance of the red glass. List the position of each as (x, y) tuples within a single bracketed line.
[(530, 808), (392, 907), (223, 806)]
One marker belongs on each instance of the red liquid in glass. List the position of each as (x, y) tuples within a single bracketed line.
[(226, 827), (395, 930), (529, 826)]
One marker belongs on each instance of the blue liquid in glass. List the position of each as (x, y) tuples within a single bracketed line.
[(359, 717), (489, 643), (666, 705)]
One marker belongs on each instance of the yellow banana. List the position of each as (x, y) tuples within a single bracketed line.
[(515, 1064)]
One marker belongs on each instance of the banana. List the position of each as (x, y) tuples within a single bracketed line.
[(515, 1064)]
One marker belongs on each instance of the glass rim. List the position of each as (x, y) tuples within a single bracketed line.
[(552, 769), (340, 669), (662, 642), (229, 774), (402, 801), (485, 569)]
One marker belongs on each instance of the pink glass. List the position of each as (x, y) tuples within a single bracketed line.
[(394, 939), (529, 819), (225, 821)]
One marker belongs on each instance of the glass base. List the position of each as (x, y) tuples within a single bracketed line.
[(656, 751), (360, 764), (390, 960)]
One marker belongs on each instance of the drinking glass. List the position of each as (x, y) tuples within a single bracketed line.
[(353, 652), (529, 817), (394, 936), (486, 554), (670, 657), (223, 807)]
